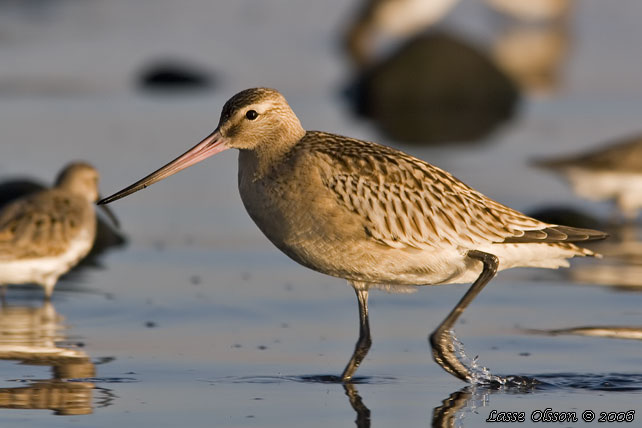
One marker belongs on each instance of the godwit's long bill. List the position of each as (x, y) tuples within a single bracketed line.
[(371, 214)]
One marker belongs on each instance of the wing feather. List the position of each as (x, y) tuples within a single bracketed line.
[(39, 225), (406, 202)]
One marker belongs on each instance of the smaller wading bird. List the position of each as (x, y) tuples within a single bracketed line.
[(371, 214), (611, 172), (44, 234)]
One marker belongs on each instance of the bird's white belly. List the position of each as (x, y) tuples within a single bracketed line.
[(372, 263), (368, 261), (45, 269)]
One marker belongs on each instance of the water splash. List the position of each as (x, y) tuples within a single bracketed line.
[(481, 375)]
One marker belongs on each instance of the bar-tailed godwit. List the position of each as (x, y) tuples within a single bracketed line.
[(43, 235), (370, 214), (613, 172)]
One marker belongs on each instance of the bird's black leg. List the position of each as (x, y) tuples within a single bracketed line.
[(364, 342), (441, 340)]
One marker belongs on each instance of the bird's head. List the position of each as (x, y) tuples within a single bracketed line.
[(81, 179), (257, 119)]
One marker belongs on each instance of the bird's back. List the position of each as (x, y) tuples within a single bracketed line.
[(44, 224)]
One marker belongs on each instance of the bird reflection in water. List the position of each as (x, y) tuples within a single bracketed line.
[(32, 336), (621, 267), (450, 414), (363, 413)]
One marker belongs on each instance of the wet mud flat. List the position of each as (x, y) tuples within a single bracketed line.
[(199, 321)]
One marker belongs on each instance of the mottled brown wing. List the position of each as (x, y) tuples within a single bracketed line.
[(39, 225), (407, 202)]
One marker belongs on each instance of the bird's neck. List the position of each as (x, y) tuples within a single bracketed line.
[(78, 189), (257, 163)]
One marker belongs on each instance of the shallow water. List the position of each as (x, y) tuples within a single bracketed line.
[(199, 321)]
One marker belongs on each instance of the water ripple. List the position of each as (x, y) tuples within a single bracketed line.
[(104, 379), (317, 378), (592, 382)]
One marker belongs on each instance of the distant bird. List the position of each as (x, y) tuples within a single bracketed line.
[(615, 332), (45, 234), (612, 172), (533, 10), (370, 214), (377, 20)]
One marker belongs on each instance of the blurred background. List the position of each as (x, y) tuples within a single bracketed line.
[(191, 316)]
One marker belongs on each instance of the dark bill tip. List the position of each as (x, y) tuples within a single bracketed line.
[(110, 214), (119, 195)]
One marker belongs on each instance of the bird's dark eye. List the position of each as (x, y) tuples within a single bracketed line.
[(251, 114)]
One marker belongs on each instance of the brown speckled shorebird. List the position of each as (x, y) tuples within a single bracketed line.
[(371, 214), (45, 234), (610, 172)]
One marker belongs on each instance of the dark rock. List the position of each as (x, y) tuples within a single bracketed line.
[(174, 75), (435, 89)]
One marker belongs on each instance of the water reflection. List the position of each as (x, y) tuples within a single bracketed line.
[(435, 88), (621, 266), (453, 409), (449, 414), (613, 172), (363, 413), (33, 336), (467, 401)]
